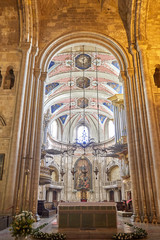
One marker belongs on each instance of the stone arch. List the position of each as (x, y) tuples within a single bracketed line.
[(124, 59), (113, 163), (75, 38), (56, 168)]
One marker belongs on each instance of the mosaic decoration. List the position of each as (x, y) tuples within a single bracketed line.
[(81, 180), (2, 155), (102, 118), (82, 102), (83, 61), (51, 64), (115, 86), (108, 105), (83, 82), (55, 107), (50, 87), (115, 63), (63, 118)]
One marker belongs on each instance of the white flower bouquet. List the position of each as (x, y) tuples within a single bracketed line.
[(22, 224)]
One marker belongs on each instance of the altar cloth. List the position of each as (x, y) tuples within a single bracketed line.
[(87, 215)]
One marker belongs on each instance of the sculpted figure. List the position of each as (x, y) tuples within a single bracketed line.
[(9, 79), (157, 77)]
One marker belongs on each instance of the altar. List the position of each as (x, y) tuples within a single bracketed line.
[(87, 215)]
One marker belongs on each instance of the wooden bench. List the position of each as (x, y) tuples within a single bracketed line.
[(46, 209)]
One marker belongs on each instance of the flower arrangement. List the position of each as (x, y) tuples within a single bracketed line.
[(22, 224), (137, 234)]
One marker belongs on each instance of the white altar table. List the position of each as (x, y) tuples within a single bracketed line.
[(87, 215)]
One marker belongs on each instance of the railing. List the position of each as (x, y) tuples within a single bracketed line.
[(57, 183), (45, 170), (113, 184), (45, 175)]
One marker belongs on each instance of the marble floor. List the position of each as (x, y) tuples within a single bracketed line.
[(153, 230)]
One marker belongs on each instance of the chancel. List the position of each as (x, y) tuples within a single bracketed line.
[(80, 111)]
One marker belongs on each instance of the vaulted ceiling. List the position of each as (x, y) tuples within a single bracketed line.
[(73, 76)]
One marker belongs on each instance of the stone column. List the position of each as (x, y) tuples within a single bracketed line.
[(16, 160), (37, 144), (50, 196), (131, 144), (107, 195), (32, 127), (116, 195), (153, 164), (26, 131)]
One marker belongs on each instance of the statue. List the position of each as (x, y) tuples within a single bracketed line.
[(0, 78), (157, 76), (9, 79)]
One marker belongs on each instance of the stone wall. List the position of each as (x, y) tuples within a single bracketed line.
[(9, 23), (7, 111)]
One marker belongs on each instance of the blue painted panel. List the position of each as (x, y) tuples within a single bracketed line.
[(115, 86), (50, 87), (51, 64), (108, 105), (102, 118), (115, 63), (55, 107), (63, 118)]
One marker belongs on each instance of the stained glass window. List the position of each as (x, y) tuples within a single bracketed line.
[(54, 129), (82, 134), (111, 129)]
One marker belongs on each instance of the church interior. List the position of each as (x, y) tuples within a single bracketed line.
[(82, 124)]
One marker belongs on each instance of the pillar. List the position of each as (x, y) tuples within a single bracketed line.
[(37, 144), (10, 204)]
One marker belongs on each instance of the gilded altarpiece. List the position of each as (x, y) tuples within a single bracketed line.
[(83, 176)]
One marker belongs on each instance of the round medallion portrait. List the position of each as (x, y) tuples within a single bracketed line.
[(83, 82), (83, 61), (82, 102)]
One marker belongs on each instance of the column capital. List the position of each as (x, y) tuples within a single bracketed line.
[(25, 46), (123, 75), (37, 72), (43, 76)]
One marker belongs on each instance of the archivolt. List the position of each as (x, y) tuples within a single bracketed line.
[(76, 38)]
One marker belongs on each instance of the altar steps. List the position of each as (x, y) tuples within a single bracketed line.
[(97, 234)]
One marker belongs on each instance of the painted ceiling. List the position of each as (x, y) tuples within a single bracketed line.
[(86, 76)]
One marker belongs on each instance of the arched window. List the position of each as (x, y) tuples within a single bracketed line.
[(82, 134), (54, 129), (111, 129)]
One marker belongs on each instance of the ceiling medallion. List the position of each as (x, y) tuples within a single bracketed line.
[(82, 102), (83, 82), (83, 61)]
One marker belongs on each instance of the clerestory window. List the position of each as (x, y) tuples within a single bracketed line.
[(82, 134)]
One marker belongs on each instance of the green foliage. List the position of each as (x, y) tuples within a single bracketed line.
[(37, 234), (49, 236), (22, 224), (39, 228), (137, 234)]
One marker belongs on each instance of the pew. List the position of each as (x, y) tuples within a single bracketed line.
[(46, 209)]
